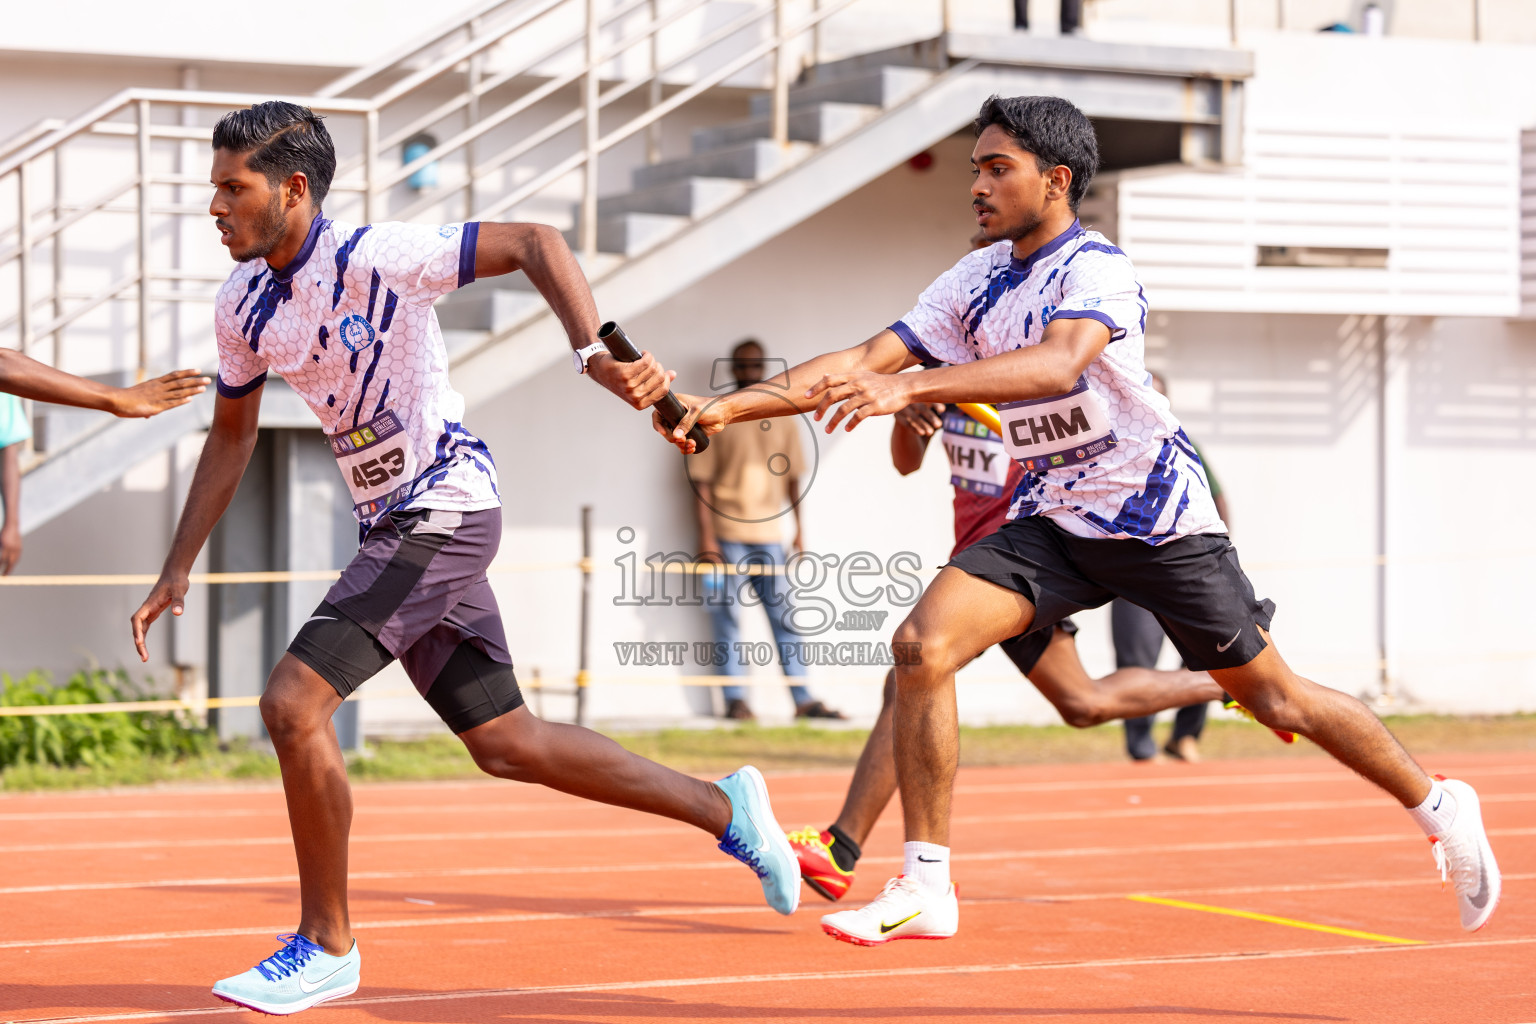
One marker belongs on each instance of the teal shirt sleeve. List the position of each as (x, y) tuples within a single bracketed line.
[(14, 427), (1210, 474)]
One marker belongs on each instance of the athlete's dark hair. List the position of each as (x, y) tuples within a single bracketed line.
[(281, 138), (746, 343), (1051, 128)]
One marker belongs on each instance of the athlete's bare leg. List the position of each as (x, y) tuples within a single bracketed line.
[(297, 708), (874, 777), (521, 746), (1127, 693), (958, 617), (1337, 722), (1059, 675)]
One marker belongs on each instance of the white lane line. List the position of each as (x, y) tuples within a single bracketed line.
[(1339, 774), (524, 918), (365, 790), (277, 813), (801, 977), (563, 869), (1190, 810)]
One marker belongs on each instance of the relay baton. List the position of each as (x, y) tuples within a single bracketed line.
[(981, 413), (671, 410)]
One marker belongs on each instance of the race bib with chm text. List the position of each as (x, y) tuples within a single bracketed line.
[(977, 461), (378, 462), (1043, 433)]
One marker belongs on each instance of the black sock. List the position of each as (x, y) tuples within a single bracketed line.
[(845, 852)]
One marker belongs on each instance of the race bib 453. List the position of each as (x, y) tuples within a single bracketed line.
[(1043, 433), (378, 462)]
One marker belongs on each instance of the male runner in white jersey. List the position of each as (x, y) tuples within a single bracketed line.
[(345, 315), (1114, 502), (983, 478)]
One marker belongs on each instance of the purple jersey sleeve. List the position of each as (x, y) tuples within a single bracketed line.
[(1102, 286), (420, 262), (242, 368), (935, 329)]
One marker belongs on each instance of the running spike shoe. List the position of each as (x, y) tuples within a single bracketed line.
[(294, 978), (755, 839), (903, 910), (813, 849), (1465, 858), (1232, 705)]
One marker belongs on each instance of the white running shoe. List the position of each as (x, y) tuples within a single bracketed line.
[(903, 910), (1465, 858)]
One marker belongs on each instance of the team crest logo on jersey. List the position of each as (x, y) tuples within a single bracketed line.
[(355, 333), (448, 230)]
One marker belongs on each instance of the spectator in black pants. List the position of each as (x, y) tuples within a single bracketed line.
[(1138, 641), (1071, 15)]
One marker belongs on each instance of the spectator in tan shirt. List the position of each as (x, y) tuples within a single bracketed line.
[(743, 482)]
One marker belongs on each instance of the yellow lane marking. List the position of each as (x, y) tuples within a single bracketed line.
[(1289, 922)]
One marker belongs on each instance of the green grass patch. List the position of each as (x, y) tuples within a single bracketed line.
[(802, 747)]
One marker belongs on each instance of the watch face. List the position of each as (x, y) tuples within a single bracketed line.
[(579, 363)]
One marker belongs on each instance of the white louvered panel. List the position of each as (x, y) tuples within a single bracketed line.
[(1528, 223), (1445, 205)]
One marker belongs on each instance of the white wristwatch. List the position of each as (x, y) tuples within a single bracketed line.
[(580, 356)]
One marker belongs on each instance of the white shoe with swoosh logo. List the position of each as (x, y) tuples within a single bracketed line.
[(294, 978), (903, 910), (1465, 858)]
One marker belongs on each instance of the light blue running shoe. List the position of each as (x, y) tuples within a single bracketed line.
[(755, 839), (294, 978)]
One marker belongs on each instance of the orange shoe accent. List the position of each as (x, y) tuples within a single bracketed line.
[(813, 849)]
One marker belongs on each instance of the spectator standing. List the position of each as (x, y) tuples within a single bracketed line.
[(742, 483)]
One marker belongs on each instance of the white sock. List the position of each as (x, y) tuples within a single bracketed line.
[(928, 865), (1436, 812)]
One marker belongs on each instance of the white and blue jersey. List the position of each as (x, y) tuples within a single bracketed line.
[(1109, 459), (349, 325)]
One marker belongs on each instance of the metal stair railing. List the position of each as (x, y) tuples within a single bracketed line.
[(557, 46)]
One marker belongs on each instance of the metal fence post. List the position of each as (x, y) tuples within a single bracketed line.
[(471, 117), (653, 130), (24, 257), (370, 144), (586, 615), (144, 234), (589, 92), (780, 78)]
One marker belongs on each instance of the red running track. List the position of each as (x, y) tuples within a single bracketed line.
[(496, 902)]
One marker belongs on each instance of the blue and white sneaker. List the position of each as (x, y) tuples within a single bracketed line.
[(755, 839), (294, 978)]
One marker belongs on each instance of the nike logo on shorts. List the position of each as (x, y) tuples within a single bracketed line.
[(319, 618), (1221, 648)]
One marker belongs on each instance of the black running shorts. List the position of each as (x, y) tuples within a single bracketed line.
[(1193, 584), (1026, 649), (417, 591)]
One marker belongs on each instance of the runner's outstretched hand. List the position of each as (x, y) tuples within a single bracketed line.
[(710, 415), (156, 396), (168, 593), (27, 378)]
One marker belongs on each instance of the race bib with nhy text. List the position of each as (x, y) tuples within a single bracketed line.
[(977, 460), (1044, 433), (378, 462)]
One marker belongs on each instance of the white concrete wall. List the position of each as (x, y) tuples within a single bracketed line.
[(1285, 407)]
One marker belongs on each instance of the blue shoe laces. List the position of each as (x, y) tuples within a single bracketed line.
[(733, 845), (296, 952)]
